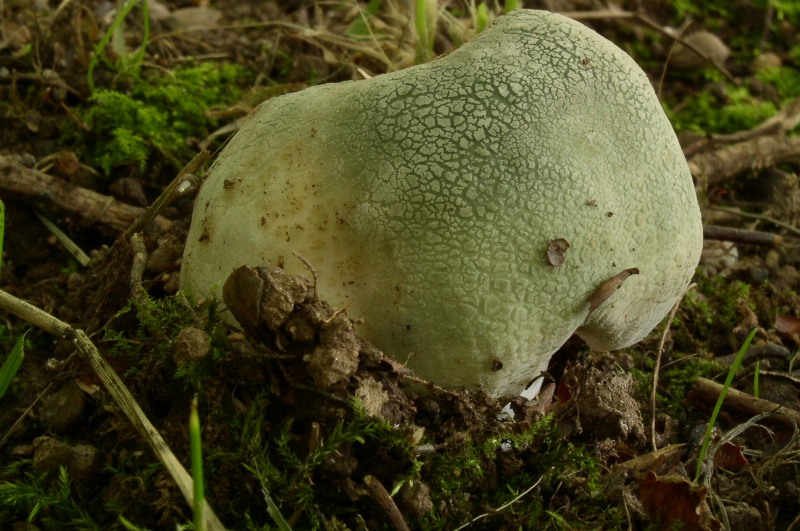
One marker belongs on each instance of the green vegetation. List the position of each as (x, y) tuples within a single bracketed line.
[(709, 112), (785, 79), (718, 406), (138, 118), (196, 446), (11, 365), (36, 497), (120, 60), (157, 115), (544, 458), (427, 16), (13, 362), (676, 379), (287, 472), (721, 10), (715, 304)]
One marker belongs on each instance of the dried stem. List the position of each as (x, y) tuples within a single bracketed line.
[(730, 234), (381, 496), (87, 205)]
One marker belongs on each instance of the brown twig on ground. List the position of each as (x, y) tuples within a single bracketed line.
[(138, 293), (730, 234), (185, 182), (713, 167), (708, 391), (761, 217), (122, 396), (381, 496), (88, 205)]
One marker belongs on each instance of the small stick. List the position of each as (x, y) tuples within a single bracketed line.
[(761, 217), (185, 181), (138, 293), (714, 167), (730, 234), (88, 205), (650, 23), (380, 495), (707, 391)]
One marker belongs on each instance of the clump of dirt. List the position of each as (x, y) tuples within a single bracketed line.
[(316, 345), (598, 402)]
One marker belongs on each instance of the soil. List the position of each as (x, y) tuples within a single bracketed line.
[(280, 424)]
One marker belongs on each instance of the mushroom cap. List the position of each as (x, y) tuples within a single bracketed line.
[(427, 199)]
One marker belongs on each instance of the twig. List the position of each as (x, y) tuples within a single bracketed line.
[(779, 223), (122, 396), (657, 366), (88, 205), (138, 293), (665, 68), (180, 185), (730, 234), (381, 496), (714, 167), (707, 391)]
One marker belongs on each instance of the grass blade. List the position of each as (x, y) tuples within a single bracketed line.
[(2, 230), (195, 442), (720, 400), (9, 369)]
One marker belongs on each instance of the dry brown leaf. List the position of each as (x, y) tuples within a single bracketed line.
[(608, 288), (787, 324), (673, 502), (729, 455)]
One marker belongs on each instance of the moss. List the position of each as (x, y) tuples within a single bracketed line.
[(156, 116), (709, 312), (552, 464), (676, 379), (290, 471), (43, 497), (786, 80), (733, 110)]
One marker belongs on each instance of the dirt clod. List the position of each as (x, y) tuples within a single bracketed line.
[(415, 499), (602, 405), (82, 461), (192, 345)]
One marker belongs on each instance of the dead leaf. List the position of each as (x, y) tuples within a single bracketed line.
[(729, 455), (787, 324), (673, 502), (608, 288)]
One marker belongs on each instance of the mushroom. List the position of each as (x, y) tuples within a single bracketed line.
[(429, 201)]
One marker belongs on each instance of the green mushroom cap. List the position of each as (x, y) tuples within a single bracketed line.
[(427, 199)]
